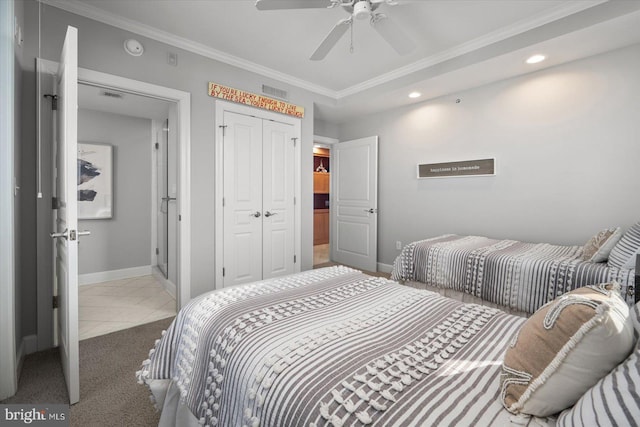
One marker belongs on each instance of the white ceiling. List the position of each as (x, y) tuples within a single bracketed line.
[(460, 44)]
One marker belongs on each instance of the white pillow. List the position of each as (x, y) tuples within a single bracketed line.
[(598, 247), (623, 254), (565, 348), (611, 401)]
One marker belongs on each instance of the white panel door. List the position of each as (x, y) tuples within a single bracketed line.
[(354, 205), (66, 187), (242, 198), (278, 224)]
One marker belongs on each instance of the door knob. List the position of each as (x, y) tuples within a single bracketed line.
[(371, 210), (64, 234), (268, 214), (256, 214), (70, 235)]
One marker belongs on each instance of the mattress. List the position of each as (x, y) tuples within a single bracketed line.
[(517, 275), (331, 347)]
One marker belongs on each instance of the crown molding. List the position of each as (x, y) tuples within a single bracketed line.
[(96, 14), (504, 33), (91, 12)]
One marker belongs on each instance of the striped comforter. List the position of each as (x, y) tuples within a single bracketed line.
[(520, 276), (334, 347)]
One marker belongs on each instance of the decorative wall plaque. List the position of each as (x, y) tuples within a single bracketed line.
[(481, 167), (258, 101)]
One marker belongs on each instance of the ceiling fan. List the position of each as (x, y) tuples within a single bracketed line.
[(357, 9)]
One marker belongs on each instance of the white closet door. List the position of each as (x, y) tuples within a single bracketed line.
[(242, 198), (278, 199)]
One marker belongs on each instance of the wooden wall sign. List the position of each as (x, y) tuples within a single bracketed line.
[(254, 100), (481, 167)]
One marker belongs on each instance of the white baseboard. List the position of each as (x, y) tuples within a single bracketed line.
[(384, 268), (168, 286), (105, 276)]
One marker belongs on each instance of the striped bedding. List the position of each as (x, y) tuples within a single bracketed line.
[(517, 275), (334, 347)]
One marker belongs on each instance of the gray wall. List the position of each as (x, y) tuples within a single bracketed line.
[(323, 128), (566, 145), (123, 241), (100, 48)]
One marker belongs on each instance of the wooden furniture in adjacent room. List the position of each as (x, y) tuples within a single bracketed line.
[(320, 226), (321, 182)]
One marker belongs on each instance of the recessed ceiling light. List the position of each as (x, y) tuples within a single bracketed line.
[(535, 59), (415, 95)]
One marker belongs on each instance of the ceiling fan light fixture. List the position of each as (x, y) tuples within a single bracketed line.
[(362, 9)]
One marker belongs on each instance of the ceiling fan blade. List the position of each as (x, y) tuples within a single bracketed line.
[(332, 38), (393, 34), (292, 4)]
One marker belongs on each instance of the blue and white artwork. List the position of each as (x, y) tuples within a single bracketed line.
[(95, 167)]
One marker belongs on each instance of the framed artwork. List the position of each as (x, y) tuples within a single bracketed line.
[(95, 180)]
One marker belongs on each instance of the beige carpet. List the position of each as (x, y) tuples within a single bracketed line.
[(109, 392)]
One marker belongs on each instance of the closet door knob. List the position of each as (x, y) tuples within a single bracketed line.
[(256, 214), (268, 214)]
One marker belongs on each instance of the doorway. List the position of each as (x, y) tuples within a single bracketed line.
[(181, 101), (321, 201), (127, 156)]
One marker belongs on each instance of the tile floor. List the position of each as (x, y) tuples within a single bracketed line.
[(121, 304), (320, 254)]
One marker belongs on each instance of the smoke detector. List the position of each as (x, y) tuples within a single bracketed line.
[(133, 47)]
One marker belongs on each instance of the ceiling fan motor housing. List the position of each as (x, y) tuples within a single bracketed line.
[(362, 9)]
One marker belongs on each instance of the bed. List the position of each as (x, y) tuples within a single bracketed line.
[(323, 348), (514, 276)]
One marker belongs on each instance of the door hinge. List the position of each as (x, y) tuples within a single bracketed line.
[(294, 200), (54, 101), (294, 259), (223, 202), (294, 141), (157, 251), (55, 203), (223, 271), (224, 129), (179, 217), (157, 145), (54, 301)]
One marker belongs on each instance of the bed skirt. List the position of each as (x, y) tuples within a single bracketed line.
[(167, 401)]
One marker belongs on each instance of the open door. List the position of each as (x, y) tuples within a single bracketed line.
[(66, 192), (354, 203)]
